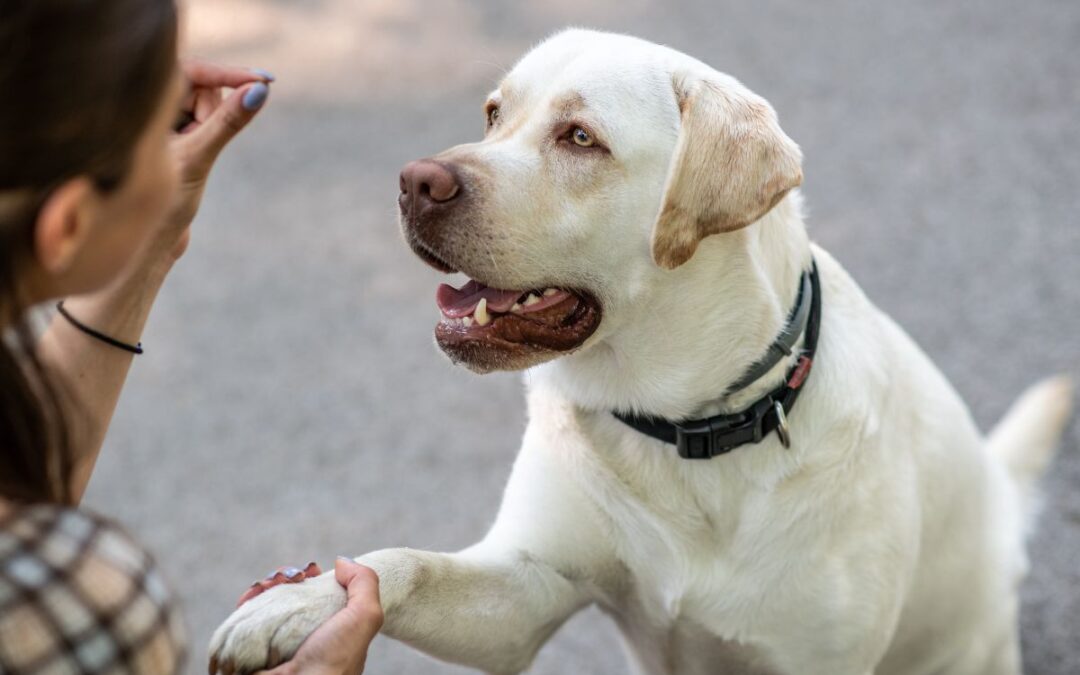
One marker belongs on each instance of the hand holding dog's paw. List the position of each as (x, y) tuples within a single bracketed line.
[(333, 624)]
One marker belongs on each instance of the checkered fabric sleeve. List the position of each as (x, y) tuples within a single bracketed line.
[(78, 596)]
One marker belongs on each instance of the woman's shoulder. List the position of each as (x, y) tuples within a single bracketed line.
[(44, 543), (79, 594)]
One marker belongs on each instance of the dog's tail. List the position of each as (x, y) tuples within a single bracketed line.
[(1027, 437)]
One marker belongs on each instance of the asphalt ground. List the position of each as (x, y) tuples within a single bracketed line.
[(291, 406)]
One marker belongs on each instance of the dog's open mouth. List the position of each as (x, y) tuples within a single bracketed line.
[(478, 318)]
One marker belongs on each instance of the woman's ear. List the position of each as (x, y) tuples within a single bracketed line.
[(732, 164), (63, 225)]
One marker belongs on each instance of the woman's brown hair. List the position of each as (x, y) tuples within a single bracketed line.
[(80, 81)]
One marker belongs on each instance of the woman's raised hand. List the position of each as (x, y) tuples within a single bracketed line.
[(208, 121)]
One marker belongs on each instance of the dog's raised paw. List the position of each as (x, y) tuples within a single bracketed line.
[(268, 629)]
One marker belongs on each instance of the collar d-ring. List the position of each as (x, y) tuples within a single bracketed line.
[(781, 424)]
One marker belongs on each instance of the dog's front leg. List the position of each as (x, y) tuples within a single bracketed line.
[(490, 606), (491, 611)]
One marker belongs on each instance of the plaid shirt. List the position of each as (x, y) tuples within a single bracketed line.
[(79, 596)]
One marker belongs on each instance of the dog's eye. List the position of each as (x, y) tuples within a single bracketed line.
[(493, 116), (582, 137)]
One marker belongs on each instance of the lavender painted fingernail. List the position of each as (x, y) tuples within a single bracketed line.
[(265, 74), (256, 97), (292, 572)]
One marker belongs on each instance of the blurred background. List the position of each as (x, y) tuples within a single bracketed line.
[(292, 406)]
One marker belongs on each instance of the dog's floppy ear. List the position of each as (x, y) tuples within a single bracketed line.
[(732, 164)]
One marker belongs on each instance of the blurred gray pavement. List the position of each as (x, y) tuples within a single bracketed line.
[(291, 405)]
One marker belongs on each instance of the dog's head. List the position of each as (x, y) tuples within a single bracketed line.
[(605, 161)]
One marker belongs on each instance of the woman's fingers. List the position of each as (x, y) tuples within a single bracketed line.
[(204, 141), (209, 120), (206, 82), (204, 74), (206, 102)]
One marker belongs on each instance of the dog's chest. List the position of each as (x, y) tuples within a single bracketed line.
[(685, 648), (690, 537), (687, 610)]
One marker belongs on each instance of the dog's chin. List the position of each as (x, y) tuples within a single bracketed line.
[(483, 358), (537, 329)]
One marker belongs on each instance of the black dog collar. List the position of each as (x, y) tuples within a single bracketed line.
[(707, 438)]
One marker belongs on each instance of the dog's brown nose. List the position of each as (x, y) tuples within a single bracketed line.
[(425, 183)]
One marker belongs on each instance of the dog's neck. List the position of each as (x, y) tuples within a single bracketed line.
[(697, 329)]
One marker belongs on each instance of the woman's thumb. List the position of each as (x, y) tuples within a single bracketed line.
[(362, 586)]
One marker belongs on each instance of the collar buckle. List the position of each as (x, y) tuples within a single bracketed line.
[(705, 439), (695, 442)]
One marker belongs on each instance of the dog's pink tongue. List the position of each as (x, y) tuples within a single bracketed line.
[(458, 302)]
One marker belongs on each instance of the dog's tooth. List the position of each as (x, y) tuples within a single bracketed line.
[(467, 321), (532, 299), (516, 307), (481, 313), (550, 292)]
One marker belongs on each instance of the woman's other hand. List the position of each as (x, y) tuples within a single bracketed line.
[(208, 121), (339, 646)]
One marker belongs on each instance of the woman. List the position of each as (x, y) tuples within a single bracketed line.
[(97, 193)]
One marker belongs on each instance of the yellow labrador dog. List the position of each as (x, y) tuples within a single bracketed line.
[(633, 232)]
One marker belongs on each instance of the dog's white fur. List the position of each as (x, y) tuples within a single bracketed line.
[(888, 539)]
